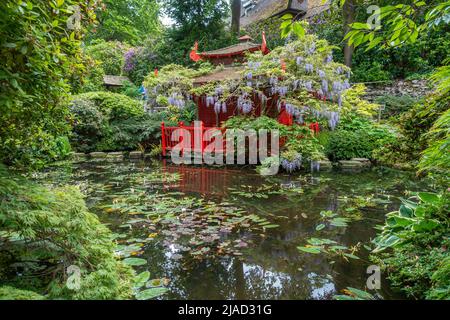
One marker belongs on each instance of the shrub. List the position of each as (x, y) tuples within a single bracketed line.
[(436, 158), (44, 231), (356, 137), (105, 121), (412, 127), (10, 293), (418, 237), (353, 103), (370, 71), (110, 54)]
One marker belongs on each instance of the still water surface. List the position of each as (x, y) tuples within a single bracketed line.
[(243, 262)]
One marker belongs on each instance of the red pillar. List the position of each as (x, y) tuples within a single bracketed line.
[(163, 139)]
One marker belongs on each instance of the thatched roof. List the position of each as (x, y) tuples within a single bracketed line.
[(257, 10), (227, 73), (116, 81)]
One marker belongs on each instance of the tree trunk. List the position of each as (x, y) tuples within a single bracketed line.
[(235, 16), (348, 12)]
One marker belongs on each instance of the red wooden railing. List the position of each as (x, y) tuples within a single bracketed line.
[(167, 144)]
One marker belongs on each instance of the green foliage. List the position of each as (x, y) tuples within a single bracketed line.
[(130, 90), (436, 158), (110, 55), (93, 80), (356, 137), (44, 231), (173, 80), (401, 24), (127, 21), (417, 235), (38, 55), (370, 71), (352, 102), (195, 20), (105, 121), (10, 293), (383, 64), (254, 123), (412, 128)]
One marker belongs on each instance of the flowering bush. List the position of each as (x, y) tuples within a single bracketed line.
[(110, 55)]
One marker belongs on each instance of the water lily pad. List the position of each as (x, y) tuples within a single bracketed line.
[(150, 293), (135, 261)]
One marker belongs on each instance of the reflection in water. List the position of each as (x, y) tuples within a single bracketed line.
[(272, 267)]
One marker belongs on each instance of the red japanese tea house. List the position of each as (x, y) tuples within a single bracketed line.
[(231, 57)]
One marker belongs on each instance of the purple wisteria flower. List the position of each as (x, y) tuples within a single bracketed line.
[(324, 85), (291, 166), (312, 49), (273, 80), (346, 84), (308, 85), (321, 73), (176, 100), (129, 58), (309, 68), (219, 91), (217, 107)]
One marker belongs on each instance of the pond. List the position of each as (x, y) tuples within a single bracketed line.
[(229, 233)]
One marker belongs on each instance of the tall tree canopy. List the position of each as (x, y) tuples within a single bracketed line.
[(127, 20), (196, 20)]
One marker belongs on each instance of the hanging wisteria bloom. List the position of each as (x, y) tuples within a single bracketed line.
[(339, 100), (308, 85), (309, 68), (321, 73), (339, 70), (329, 58), (224, 107), (346, 84), (324, 85), (217, 107), (333, 119), (209, 101), (176, 100), (249, 76), (254, 65), (337, 86), (273, 80), (312, 49), (219, 91), (282, 91), (299, 60), (290, 109), (291, 166)]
